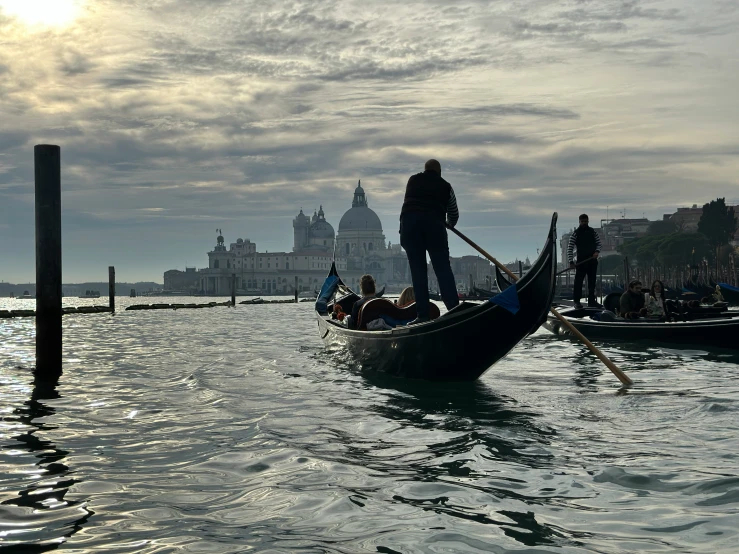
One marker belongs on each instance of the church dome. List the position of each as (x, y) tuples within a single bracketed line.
[(321, 229), (360, 217)]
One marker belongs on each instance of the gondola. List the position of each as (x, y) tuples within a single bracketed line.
[(705, 326), (460, 345)]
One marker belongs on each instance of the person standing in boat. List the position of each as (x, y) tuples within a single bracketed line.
[(586, 242), (429, 201), (367, 288)]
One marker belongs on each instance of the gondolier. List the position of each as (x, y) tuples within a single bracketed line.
[(429, 200), (586, 242)]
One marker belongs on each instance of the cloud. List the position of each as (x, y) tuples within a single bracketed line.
[(174, 114)]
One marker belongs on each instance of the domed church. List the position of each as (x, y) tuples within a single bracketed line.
[(312, 233), (360, 239)]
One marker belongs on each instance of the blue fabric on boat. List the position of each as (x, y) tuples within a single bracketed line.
[(395, 322), (728, 287), (507, 299), (327, 292)]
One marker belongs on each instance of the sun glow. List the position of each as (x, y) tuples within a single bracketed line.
[(50, 13)]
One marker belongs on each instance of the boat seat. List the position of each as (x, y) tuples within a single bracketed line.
[(612, 302), (378, 307)]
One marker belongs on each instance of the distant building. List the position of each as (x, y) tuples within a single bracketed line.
[(466, 268), (360, 248), (176, 280), (612, 233), (686, 219)]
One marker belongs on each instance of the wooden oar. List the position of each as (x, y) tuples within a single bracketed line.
[(603, 358), (577, 264)]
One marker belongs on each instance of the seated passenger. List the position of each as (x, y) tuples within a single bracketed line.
[(632, 301), (655, 300), (367, 288), (717, 296), (406, 297)]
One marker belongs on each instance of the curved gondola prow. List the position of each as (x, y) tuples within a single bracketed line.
[(501, 280), (504, 282)]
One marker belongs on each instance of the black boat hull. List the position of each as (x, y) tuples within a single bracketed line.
[(715, 331), (462, 344)]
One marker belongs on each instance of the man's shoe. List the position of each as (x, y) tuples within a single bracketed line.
[(419, 320), (578, 306)]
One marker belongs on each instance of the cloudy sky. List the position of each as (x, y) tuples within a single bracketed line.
[(177, 117)]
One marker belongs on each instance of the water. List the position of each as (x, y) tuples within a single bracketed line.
[(222, 430)]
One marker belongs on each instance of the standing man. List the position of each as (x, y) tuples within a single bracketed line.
[(586, 241), (429, 201)]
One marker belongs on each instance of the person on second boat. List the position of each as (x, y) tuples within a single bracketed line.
[(586, 242), (631, 305), (367, 288), (656, 304), (429, 200)]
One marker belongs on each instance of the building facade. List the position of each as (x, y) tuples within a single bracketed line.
[(360, 248)]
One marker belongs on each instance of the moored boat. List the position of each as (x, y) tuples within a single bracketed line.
[(704, 326), (461, 344)]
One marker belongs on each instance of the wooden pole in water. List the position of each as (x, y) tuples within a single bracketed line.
[(296, 289), (520, 269), (233, 289), (111, 288), (48, 214)]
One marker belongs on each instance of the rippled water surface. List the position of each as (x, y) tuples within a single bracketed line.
[(230, 430)]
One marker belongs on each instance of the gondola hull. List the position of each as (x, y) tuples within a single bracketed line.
[(462, 344), (715, 331)]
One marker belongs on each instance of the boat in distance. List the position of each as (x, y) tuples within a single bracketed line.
[(704, 326), (460, 345)]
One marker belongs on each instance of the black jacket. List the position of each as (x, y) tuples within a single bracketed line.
[(429, 192), (586, 241)]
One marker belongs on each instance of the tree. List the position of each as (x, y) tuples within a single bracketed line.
[(662, 227), (610, 264), (718, 223), (683, 249), (642, 251)]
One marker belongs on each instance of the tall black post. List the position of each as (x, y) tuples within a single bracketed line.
[(111, 288), (520, 269), (48, 192), (233, 289), (296, 289)]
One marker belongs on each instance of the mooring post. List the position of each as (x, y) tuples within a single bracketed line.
[(520, 269), (111, 288), (48, 193), (296, 289), (233, 289)]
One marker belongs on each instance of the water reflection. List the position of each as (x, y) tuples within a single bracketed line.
[(39, 518)]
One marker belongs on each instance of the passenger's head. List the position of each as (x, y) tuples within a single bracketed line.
[(657, 287), (583, 219), (635, 285), (433, 165), (367, 285), (406, 297)]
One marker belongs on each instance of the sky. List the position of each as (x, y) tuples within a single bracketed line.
[(179, 117)]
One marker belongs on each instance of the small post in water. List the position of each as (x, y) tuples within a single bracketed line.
[(296, 289), (520, 269), (111, 288), (48, 215), (233, 290)]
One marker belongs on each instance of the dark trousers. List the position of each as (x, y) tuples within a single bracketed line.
[(421, 232), (591, 270)]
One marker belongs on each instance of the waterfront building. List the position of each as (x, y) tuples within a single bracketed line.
[(360, 248)]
